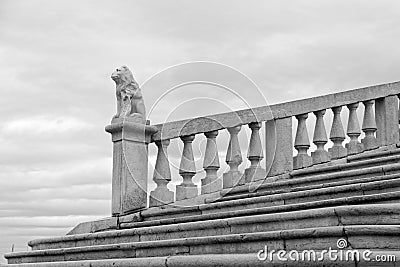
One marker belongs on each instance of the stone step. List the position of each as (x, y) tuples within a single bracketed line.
[(390, 183), (221, 260), (392, 197), (384, 214), (175, 211), (316, 179), (357, 236), (366, 159), (321, 181), (378, 153)]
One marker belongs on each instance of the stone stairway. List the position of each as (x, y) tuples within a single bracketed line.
[(355, 199), (344, 199)]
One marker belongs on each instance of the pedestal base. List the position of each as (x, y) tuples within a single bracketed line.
[(209, 185), (232, 178), (186, 191), (160, 197), (320, 156), (252, 174), (302, 161), (337, 152)]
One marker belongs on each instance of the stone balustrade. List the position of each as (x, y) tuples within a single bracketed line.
[(380, 127)]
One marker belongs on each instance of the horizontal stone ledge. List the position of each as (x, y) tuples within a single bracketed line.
[(346, 166), (175, 129), (201, 245), (264, 191), (371, 154), (222, 260), (238, 202), (187, 213), (314, 177), (144, 233), (382, 213), (298, 194), (271, 209)]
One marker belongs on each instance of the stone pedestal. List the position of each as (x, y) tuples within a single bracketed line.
[(161, 196), (320, 156), (130, 137), (254, 173), (278, 146), (387, 120), (232, 178), (337, 152), (187, 189)]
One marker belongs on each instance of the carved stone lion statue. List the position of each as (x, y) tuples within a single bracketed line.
[(129, 96)]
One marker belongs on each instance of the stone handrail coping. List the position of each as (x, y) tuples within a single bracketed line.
[(197, 125)]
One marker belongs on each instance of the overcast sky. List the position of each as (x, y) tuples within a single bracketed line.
[(56, 94)]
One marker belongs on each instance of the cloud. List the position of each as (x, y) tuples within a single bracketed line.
[(44, 124), (43, 221)]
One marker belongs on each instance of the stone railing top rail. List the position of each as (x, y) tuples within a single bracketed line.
[(215, 122)]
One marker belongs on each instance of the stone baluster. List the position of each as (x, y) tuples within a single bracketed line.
[(337, 135), (320, 155), (369, 126), (353, 131), (233, 159), (255, 155), (161, 195), (210, 183), (301, 144), (187, 169)]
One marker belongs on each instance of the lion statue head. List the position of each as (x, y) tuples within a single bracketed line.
[(124, 80)]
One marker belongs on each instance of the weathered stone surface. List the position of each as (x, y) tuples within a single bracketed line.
[(130, 164), (387, 120), (337, 135), (254, 173), (187, 169), (233, 158), (369, 126), (211, 182), (161, 195), (134, 217), (360, 236), (353, 131), (302, 143), (310, 238), (95, 226), (278, 146), (232, 178), (387, 214)]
